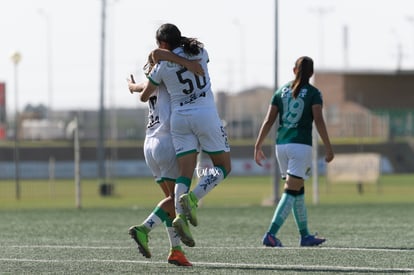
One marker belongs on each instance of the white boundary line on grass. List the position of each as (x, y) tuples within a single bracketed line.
[(216, 247), (227, 265)]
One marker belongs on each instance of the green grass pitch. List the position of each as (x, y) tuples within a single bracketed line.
[(43, 233)]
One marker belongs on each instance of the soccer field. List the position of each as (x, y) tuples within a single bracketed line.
[(43, 232), (234, 191), (363, 238)]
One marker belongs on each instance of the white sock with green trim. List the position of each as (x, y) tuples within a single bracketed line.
[(172, 234), (208, 182), (182, 186)]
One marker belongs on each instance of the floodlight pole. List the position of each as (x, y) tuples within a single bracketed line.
[(321, 12), (101, 136), (78, 190), (276, 172), (410, 20), (16, 58), (49, 55)]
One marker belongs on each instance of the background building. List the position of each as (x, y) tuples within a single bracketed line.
[(368, 103)]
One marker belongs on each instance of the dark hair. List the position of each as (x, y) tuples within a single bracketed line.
[(171, 35), (303, 72)]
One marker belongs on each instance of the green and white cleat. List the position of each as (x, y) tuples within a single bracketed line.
[(189, 204), (181, 226), (140, 236)]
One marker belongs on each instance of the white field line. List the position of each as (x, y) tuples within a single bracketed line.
[(226, 265), (213, 248)]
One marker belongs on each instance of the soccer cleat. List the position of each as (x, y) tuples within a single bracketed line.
[(270, 240), (311, 240), (189, 204), (181, 226), (140, 236), (178, 258)]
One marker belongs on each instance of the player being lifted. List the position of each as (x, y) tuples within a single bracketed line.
[(160, 157), (195, 124)]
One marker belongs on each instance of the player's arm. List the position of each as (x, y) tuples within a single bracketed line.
[(135, 87), (323, 133), (148, 90), (193, 66), (267, 124)]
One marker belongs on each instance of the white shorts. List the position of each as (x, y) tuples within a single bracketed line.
[(160, 157), (198, 128), (294, 159)]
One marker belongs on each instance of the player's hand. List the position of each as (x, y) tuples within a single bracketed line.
[(259, 156), (131, 82), (329, 155), (195, 67)]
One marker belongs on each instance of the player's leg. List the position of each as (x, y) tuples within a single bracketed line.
[(285, 203), (186, 149), (212, 177), (168, 164), (186, 163), (213, 141), (301, 166), (176, 255), (300, 213), (139, 233), (282, 211), (301, 219)]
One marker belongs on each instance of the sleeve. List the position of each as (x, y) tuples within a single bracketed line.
[(275, 99), (317, 98), (155, 75)]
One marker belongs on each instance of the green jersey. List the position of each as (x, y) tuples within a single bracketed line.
[(295, 115)]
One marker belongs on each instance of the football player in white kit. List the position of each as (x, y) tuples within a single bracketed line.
[(195, 124), (160, 157)]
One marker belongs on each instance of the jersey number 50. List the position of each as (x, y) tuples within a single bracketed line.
[(199, 80)]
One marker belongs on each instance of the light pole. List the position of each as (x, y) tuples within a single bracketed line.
[(16, 58), (48, 60), (321, 12), (242, 47), (410, 20), (101, 137), (275, 171)]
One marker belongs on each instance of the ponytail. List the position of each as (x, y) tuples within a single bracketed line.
[(191, 46), (303, 72)]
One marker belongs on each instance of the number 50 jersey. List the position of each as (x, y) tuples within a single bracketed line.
[(187, 90)]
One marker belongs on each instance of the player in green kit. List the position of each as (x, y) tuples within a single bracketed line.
[(298, 104)]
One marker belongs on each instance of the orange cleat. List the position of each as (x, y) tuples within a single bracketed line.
[(178, 258)]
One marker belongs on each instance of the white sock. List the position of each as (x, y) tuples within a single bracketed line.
[(208, 182), (152, 221), (173, 236), (180, 189)]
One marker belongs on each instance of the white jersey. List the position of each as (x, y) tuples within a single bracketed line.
[(159, 111), (187, 90), (158, 147)]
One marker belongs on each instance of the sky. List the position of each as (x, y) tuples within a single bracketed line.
[(60, 43)]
